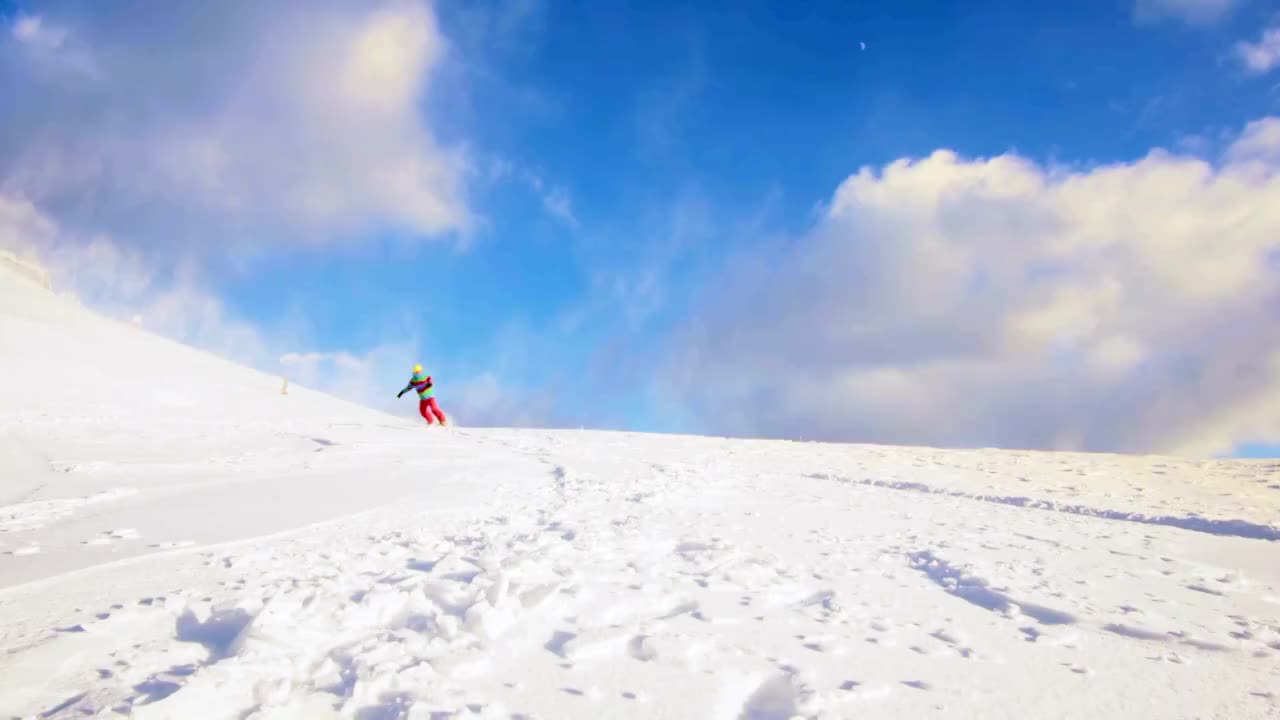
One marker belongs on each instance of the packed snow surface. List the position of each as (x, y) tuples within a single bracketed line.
[(179, 539)]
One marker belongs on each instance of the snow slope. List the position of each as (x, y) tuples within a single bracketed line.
[(180, 540)]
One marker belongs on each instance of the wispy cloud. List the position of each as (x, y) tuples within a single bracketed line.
[(555, 199), (366, 376), (946, 300), (1192, 12), (629, 269), (1263, 55), (93, 266), (558, 202), (32, 30), (662, 110), (50, 46)]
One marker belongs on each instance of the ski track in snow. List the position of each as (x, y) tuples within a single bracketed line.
[(1236, 528), (189, 542), (34, 515)]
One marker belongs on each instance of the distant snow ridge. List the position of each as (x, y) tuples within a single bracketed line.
[(28, 270), (1196, 523)]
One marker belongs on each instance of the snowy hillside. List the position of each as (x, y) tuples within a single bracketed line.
[(178, 539)]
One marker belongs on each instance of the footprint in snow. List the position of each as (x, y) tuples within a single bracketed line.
[(113, 536), (173, 544), (917, 684)]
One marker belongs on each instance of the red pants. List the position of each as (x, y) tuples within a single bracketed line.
[(431, 411)]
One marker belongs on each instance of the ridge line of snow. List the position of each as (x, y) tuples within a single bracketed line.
[(26, 269), (1230, 527)]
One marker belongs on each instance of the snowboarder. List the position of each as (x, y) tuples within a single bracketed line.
[(426, 396)]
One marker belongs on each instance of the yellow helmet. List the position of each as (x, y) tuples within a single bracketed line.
[(417, 368)]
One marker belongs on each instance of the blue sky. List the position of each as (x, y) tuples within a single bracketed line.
[(638, 218)]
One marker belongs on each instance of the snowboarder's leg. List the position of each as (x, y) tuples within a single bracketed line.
[(431, 403), (424, 407)]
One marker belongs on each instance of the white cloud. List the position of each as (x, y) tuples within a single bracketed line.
[(486, 399), (995, 301), (94, 266), (371, 377), (32, 30), (194, 315), (1258, 146), (22, 226), (305, 118), (1261, 56), (1192, 12)]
